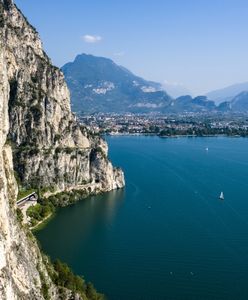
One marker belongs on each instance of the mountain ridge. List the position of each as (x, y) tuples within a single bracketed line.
[(239, 103), (97, 84), (97, 81), (227, 93)]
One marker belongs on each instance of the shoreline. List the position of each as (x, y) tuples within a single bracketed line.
[(174, 136), (40, 225), (201, 136)]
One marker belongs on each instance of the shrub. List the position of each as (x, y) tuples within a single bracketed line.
[(34, 151), (34, 212), (69, 150), (40, 211), (19, 215), (36, 111), (58, 150), (64, 277), (57, 137), (92, 294)]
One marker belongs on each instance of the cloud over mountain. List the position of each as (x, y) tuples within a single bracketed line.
[(92, 39)]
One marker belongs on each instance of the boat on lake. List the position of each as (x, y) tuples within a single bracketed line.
[(221, 196)]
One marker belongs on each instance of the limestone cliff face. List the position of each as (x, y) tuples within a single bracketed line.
[(42, 141), (50, 147), (19, 256)]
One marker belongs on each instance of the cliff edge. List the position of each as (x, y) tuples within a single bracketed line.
[(44, 146)]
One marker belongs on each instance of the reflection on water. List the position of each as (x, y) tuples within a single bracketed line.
[(105, 206), (73, 226)]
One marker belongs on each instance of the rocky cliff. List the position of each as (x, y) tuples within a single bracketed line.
[(43, 144), (50, 147)]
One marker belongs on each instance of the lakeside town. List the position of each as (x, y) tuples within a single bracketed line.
[(190, 124)]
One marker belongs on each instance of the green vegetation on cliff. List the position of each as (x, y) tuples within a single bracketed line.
[(66, 281), (64, 277), (47, 206), (39, 212)]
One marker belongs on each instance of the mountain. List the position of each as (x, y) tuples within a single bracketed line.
[(227, 93), (197, 104), (238, 104), (97, 84), (175, 90), (42, 147)]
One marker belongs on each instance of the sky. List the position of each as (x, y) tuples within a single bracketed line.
[(200, 44)]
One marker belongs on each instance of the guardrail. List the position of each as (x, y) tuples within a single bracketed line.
[(31, 197)]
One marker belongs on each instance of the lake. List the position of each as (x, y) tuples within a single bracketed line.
[(167, 235)]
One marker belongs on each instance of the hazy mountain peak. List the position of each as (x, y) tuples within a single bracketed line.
[(240, 102), (227, 93), (175, 89), (98, 84)]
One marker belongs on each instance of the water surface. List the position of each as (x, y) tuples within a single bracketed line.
[(166, 235)]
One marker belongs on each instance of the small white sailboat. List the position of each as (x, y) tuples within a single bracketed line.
[(221, 196), (206, 149)]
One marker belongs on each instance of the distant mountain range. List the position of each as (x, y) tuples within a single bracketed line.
[(227, 93), (238, 103), (175, 90), (97, 84), (197, 104)]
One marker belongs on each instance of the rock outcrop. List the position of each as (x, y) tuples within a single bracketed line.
[(50, 147), (42, 142)]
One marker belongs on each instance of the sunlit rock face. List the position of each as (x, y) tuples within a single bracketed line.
[(42, 142), (51, 148)]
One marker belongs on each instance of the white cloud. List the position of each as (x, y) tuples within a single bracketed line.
[(92, 39)]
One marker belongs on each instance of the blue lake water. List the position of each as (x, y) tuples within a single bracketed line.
[(166, 235)]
